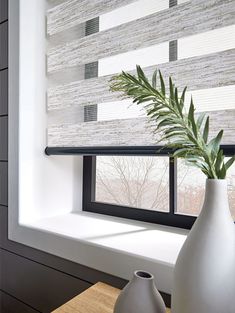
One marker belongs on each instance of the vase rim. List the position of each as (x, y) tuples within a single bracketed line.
[(143, 274), (216, 181)]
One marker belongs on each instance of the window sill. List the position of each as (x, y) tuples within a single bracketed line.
[(113, 245)]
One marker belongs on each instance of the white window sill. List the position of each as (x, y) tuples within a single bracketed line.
[(113, 245)]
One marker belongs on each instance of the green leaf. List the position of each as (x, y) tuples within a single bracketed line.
[(191, 111), (164, 122), (200, 120), (214, 144), (219, 161), (192, 139), (222, 173), (154, 79), (166, 113), (183, 95), (198, 163), (179, 108), (229, 162), (140, 73), (191, 119), (171, 88), (206, 130), (173, 134), (163, 89), (172, 129), (180, 152)]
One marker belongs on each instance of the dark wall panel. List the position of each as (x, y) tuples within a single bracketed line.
[(3, 92), (3, 183), (71, 268), (3, 138), (3, 45), (8, 304), (3, 10), (37, 285)]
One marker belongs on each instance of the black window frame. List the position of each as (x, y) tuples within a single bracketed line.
[(171, 218)]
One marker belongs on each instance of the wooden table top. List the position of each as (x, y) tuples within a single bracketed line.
[(99, 298)]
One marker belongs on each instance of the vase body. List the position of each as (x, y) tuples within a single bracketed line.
[(140, 296), (204, 274)]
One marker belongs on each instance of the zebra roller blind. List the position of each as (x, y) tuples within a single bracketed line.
[(89, 41)]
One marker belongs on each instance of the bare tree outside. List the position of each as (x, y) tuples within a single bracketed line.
[(190, 189), (140, 182), (143, 182)]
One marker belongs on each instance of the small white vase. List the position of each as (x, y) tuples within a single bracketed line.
[(204, 275), (140, 296)]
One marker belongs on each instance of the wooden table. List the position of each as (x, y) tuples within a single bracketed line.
[(99, 298)]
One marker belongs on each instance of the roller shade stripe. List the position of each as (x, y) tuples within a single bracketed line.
[(135, 132), (203, 72), (180, 21), (74, 12)]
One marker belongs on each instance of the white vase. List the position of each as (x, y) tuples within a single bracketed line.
[(140, 296), (204, 275)]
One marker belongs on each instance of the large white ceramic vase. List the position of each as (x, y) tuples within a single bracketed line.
[(204, 275)]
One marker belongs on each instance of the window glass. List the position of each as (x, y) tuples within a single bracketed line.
[(191, 187), (138, 182)]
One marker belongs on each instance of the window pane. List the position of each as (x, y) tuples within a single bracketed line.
[(191, 186), (138, 182)]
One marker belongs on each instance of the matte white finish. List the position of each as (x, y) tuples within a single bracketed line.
[(126, 236), (109, 244), (140, 295), (204, 279)]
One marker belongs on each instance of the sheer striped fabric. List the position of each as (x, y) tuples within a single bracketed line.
[(90, 41)]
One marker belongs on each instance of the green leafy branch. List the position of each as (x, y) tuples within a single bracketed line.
[(182, 131)]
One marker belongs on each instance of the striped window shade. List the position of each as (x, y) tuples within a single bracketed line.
[(89, 41)]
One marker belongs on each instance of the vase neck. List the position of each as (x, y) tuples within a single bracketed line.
[(143, 277), (216, 195)]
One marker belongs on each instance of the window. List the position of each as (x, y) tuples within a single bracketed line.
[(124, 174), (152, 188), (134, 181)]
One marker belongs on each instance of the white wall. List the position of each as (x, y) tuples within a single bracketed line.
[(46, 185)]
